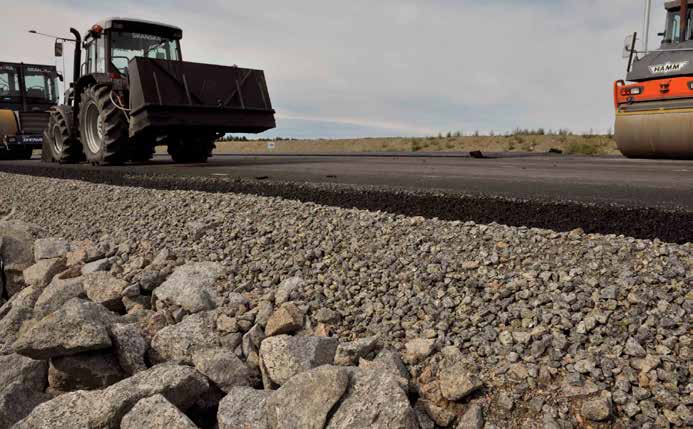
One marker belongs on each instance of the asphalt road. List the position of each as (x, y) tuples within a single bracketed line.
[(598, 180)]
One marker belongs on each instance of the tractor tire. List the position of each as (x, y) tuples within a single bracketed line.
[(191, 149), (60, 144), (103, 128)]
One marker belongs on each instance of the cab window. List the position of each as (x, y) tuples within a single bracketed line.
[(9, 81), (673, 31)]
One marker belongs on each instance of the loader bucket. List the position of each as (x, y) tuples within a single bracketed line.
[(170, 96)]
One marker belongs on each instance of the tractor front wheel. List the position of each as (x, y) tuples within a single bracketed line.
[(103, 127), (59, 141)]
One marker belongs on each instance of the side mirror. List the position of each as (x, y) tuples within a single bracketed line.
[(58, 49), (60, 77), (662, 34), (629, 45)]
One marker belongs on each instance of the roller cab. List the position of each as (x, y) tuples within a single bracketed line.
[(654, 105)]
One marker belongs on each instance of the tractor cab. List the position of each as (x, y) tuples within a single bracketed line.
[(27, 87), (111, 44)]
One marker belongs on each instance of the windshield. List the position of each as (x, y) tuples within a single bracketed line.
[(9, 81), (126, 46), (673, 31), (40, 83)]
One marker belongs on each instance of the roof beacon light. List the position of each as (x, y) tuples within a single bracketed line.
[(97, 29)]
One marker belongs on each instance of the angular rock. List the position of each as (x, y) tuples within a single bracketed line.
[(439, 414), (50, 248), (243, 407), (105, 289), (129, 346), (325, 315), (418, 349), (84, 371), (41, 273), (473, 418), (192, 287), (306, 400), (389, 361), (456, 378), (633, 348), (286, 288), (348, 354), (17, 400), (179, 342), (374, 400), (156, 412), (250, 346), (287, 319), (13, 314), (264, 312), (28, 372), (181, 385), (97, 266), (224, 368), (56, 294), (597, 410), (283, 356), (79, 326), (17, 250)]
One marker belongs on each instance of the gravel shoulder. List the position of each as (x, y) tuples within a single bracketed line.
[(536, 313)]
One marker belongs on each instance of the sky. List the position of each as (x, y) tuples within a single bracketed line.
[(364, 68)]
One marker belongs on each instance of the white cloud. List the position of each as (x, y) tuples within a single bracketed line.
[(409, 67)]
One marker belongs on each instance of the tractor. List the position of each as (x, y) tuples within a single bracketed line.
[(27, 93), (133, 92)]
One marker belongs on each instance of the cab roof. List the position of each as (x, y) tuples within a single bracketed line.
[(675, 4), (137, 26)]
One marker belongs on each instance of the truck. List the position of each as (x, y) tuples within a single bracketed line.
[(27, 93), (133, 92)]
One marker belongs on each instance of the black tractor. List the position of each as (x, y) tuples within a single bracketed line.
[(134, 92), (27, 92)]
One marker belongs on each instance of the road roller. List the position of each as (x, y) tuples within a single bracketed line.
[(654, 105), (27, 93)]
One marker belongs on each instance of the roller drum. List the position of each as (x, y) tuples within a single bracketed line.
[(655, 134)]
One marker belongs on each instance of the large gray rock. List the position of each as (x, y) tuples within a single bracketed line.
[(100, 409), (56, 294), (79, 326), (104, 289), (13, 314), (283, 356), (129, 346), (374, 400), (22, 382), (50, 248), (473, 418), (243, 407), (286, 288), (97, 266), (42, 272), (287, 319), (17, 250), (192, 287), (85, 371), (179, 342), (156, 412), (305, 401), (456, 378), (598, 409), (224, 368), (348, 354)]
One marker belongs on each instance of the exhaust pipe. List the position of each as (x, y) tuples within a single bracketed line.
[(684, 20), (646, 28), (77, 65)]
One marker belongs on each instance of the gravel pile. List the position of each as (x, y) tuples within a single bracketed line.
[(547, 329)]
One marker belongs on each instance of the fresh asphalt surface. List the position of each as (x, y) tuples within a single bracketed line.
[(614, 180), (611, 194)]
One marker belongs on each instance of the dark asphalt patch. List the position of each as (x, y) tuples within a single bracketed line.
[(646, 222)]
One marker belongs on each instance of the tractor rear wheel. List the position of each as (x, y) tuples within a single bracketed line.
[(103, 127), (59, 141), (191, 149)]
